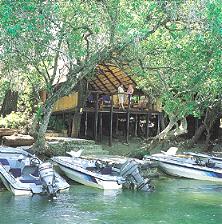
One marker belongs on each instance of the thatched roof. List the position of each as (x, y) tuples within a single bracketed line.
[(109, 77)]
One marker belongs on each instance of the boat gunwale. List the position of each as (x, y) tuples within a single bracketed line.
[(103, 177), (187, 165)]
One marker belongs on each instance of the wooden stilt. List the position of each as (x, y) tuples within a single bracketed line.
[(111, 122), (127, 120), (158, 123), (86, 123), (136, 125), (117, 124), (96, 117), (127, 126), (147, 125), (100, 126), (69, 124)]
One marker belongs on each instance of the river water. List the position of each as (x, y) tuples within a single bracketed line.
[(174, 201)]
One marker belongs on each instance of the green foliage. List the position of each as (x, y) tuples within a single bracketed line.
[(4, 86), (17, 120), (174, 47), (181, 63), (41, 36)]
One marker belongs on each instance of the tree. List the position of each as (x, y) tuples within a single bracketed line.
[(181, 63), (72, 38)]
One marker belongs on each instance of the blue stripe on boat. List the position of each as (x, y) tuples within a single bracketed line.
[(213, 174)]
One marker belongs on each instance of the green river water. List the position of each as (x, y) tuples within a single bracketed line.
[(174, 201)]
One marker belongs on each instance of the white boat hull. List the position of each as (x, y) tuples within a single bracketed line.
[(191, 172), (90, 180), (103, 175), (19, 172), (18, 192), (189, 165), (11, 188)]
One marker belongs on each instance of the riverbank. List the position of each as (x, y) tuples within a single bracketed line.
[(138, 147)]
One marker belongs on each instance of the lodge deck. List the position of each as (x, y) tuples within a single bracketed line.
[(121, 111), (115, 117)]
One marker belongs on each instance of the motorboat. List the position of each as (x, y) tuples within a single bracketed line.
[(95, 173), (24, 174), (189, 165), (212, 158)]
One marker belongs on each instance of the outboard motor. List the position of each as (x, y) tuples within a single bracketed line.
[(47, 176), (130, 172)]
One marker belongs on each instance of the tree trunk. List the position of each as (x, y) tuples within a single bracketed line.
[(170, 131), (208, 134), (40, 126), (9, 103), (76, 122), (182, 129), (82, 97), (165, 132), (209, 120), (197, 134), (163, 125)]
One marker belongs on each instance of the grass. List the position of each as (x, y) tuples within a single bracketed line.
[(139, 147)]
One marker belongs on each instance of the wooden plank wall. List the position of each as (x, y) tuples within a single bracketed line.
[(66, 102)]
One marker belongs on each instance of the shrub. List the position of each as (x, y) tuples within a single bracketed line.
[(17, 120)]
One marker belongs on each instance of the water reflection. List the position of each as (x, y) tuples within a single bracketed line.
[(174, 201)]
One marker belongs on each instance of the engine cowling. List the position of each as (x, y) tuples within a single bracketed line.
[(130, 171), (47, 176)]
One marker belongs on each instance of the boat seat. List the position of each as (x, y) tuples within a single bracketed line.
[(106, 170), (31, 181), (90, 168), (4, 162), (16, 172), (36, 172), (33, 170)]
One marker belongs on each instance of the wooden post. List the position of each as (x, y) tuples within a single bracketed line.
[(128, 120), (158, 123), (86, 114), (86, 123), (100, 126), (147, 125), (69, 124), (96, 118), (111, 122), (136, 125), (117, 124)]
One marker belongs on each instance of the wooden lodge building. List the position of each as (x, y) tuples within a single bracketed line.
[(101, 116)]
